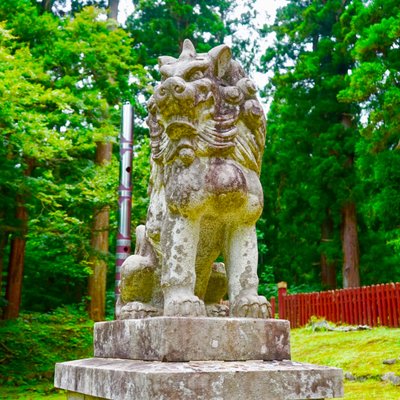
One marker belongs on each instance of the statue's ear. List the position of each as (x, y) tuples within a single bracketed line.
[(188, 50), (163, 60), (221, 55)]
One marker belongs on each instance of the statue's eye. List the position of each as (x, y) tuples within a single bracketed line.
[(196, 75)]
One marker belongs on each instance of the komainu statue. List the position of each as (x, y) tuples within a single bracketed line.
[(207, 132)]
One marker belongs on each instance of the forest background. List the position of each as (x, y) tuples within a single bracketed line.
[(331, 168)]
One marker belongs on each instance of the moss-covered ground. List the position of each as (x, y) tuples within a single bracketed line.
[(31, 345), (360, 353)]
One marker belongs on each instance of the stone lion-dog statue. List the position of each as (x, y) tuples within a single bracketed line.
[(207, 132)]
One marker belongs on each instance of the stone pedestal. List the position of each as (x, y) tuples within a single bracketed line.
[(172, 358), (193, 339)]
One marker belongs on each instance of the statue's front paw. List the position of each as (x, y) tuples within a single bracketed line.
[(251, 306), (179, 306), (137, 310)]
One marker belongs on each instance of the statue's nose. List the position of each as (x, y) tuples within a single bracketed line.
[(174, 86)]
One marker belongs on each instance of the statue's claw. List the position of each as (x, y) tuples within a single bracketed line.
[(251, 306), (217, 310), (185, 307)]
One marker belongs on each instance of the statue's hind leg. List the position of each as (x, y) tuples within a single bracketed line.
[(241, 260)]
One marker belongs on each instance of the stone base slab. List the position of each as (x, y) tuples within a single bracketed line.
[(193, 339), (119, 379)]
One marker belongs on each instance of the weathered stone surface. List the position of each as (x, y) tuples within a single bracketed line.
[(247, 380), (207, 131), (193, 339), (392, 377)]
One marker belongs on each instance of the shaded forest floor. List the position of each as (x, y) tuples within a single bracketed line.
[(31, 345)]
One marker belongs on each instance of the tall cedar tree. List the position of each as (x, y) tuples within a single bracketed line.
[(100, 227), (375, 85), (309, 165)]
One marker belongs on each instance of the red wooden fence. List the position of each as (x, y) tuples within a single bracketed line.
[(367, 305)]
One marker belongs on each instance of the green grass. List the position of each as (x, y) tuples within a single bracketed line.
[(361, 353), (31, 345)]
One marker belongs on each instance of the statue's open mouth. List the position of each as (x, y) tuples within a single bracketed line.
[(179, 129)]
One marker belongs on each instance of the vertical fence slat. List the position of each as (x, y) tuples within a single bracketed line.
[(382, 306), (364, 307), (329, 305), (308, 308), (356, 303), (353, 306), (386, 305), (340, 306), (372, 305), (337, 307), (313, 304), (358, 316), (293, 310), (289, 310), (379, 301), (389, 313), (388, 294), (392, 316), (349, 305), (302, 310), (395, 310), (360, 306), (369, 306), (344, 300)]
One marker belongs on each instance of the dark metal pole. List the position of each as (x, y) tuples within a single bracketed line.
[(125, 192)]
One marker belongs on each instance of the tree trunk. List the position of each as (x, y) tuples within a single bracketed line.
[(99, 244), (3, 244), (328, 267), (351, 251), (113, 9), (47, 5), (16, 265)]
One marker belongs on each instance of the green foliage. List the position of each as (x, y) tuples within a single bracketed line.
[(160, 28), (62, 82), (32, 344)]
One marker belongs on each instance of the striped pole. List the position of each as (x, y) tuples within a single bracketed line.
[(125, 192)]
